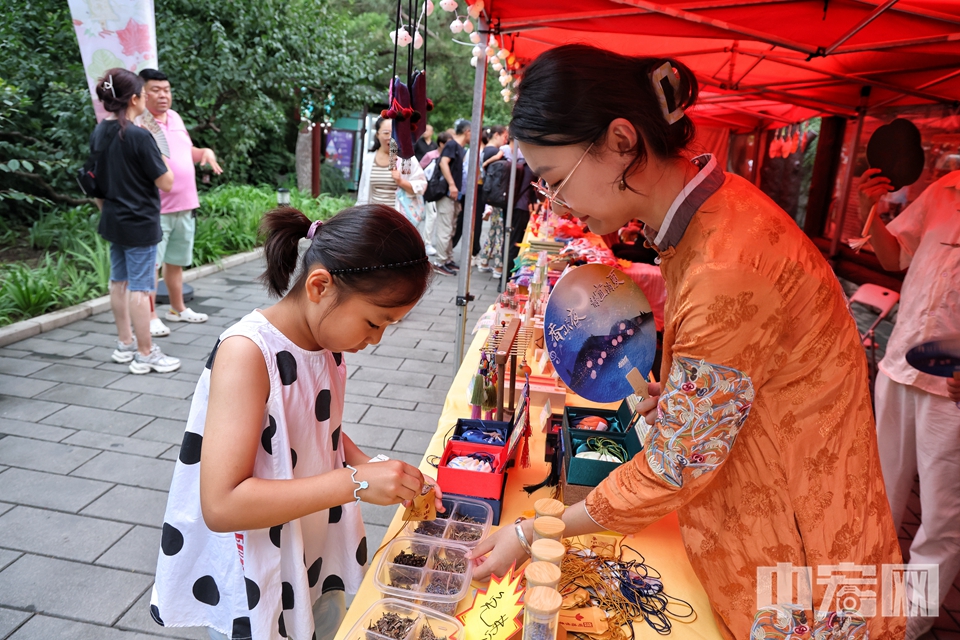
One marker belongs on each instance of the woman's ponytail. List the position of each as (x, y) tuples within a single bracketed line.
[(282, 229), (115, 90)]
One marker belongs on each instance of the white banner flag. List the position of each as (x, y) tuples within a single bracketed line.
[(114, 33)]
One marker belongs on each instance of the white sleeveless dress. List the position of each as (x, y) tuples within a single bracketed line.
[(261, 584)]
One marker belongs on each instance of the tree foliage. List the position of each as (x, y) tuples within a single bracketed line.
[(239, 70)]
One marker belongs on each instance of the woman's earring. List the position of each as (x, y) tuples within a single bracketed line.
[(623, 185)]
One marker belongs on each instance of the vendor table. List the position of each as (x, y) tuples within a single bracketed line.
[(659, 543)]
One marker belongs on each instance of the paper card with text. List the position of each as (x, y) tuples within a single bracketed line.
[(495, 612)]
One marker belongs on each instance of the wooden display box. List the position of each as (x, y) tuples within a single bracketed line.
[(578, 476)]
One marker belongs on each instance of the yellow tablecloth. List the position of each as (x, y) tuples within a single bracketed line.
[(660, 543)]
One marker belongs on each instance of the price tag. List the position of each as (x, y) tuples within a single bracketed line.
[(424, 506), (495, 611)]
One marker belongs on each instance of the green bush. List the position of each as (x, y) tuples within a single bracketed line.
[(76, 266)]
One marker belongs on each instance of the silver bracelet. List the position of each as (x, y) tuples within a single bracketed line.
[(361, 484), (518, 525)]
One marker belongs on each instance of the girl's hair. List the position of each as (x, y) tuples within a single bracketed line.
[(570, 95), (494, 130), (443, 138), (370, 250), (376, 131), (115, 89)]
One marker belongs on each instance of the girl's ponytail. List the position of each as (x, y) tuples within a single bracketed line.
[(282, 229)]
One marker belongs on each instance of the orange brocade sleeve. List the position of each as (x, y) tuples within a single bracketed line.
[(721, 346)]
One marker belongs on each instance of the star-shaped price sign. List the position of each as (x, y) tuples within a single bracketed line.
[(495, 612)]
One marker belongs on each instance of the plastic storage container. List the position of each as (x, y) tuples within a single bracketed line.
[(464, 522), (440, 579), (424, 622)]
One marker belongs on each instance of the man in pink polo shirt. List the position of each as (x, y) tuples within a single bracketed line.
[(175, 250)]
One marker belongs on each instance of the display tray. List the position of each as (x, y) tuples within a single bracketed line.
[(501, 427), (465, 522), (579, 476), (480, 484), (438, 583), (422, 622), (617, 421)]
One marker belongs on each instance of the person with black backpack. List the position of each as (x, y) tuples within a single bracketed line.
[(128, 171), (496, 178)]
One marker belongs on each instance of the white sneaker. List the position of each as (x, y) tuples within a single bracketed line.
[(124, 352), (158, 329), (430, 251), (156, 361), (187, 315)]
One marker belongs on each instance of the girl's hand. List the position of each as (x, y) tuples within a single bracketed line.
[(389, 482), (504, 549), (437, 492), (648, 406), (396, 175)]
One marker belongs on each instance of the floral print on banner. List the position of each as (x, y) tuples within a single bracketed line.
[(699, 415), (790, 622)]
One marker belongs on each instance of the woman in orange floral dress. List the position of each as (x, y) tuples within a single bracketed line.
[(762, 435)]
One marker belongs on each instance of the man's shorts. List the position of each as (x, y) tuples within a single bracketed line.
[(176, 247), (133, 265)]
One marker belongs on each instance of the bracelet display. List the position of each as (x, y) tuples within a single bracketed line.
[(361, 484), (518, 525)]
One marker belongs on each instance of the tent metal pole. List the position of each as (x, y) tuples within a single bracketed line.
[(848, 174), (952, 74), (470, 202), (863, 23), (508, 215)]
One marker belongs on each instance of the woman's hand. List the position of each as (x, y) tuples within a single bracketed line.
[(396, 175), (953, 388), (437, 491), (504, 548), (873, 186), (389, 482), (648, 406)]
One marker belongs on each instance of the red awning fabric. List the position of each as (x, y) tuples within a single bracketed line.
[(763, 62)]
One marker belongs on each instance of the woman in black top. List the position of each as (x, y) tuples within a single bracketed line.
[(129, 172)]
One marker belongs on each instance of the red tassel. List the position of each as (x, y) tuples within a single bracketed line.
[(525, 454), (429, 104)]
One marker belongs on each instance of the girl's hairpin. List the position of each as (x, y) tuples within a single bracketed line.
[(108, 84), (667, 71), (312, 231)]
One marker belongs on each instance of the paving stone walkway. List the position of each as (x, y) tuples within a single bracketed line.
[(87, 451)]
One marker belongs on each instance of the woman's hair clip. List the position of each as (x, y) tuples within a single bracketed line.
[(312, 231), (667, 71), (108, 84)]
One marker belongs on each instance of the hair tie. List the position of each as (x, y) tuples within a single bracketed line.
[(312, 231), (394, 265), (667, 71), (108, 84)]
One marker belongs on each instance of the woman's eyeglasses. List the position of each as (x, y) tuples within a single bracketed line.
[(553, 195)]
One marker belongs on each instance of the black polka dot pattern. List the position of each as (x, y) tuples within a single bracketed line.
[(171, 540), (332, 583), (313, 573), (281, 628), (241, 628), (205, 590), (286, 595), (253, 594), (336, 438), (323, 405), (190, 448), (275, 535), (213, 355), (155, 614), (335, 514), (338, 358), (287, 366), (266, 438), (362, 552), (293, 458)]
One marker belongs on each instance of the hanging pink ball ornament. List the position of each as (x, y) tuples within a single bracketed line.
[(491, 52), (476, 9), (403, 38), (467, 26), (417, 40), (429, 8), (456, 26), (473, 61), (448, 5), (475, 37)]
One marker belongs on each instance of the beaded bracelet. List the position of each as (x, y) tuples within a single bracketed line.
[(361, 484)]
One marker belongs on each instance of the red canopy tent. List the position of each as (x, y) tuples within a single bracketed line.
[(766, 62)]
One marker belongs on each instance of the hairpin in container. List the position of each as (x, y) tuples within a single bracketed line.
[(479, 461), (602, 449)]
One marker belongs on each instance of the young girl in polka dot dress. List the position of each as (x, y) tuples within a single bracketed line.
[(263, 533)]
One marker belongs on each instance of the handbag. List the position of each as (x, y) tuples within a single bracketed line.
[(436, 185), (411, 206), (90, 176)]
